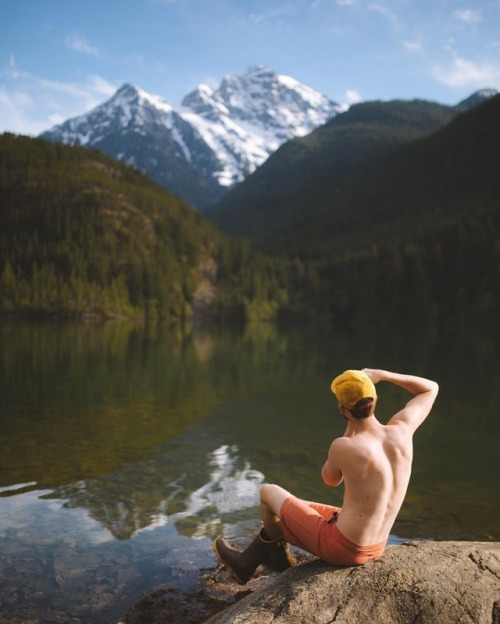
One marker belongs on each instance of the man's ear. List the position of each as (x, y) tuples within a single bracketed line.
[(343, 410)]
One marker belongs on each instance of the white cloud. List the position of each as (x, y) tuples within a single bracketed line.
[(413, 46), (90, 93), (256, 18), (385, 12), (78, 43), (166, 2), (276, 15), (463, 73), (352, 96), (11, 71), (56, 119), (469, 16), (30, 104), (15, 114), (100, 85), (344, 2)]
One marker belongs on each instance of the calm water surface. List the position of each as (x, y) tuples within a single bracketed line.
[(125, 449)]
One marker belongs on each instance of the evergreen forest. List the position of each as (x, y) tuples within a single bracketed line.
[(84, 236)]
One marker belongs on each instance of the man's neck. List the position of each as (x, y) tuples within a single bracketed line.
[(358, 425)]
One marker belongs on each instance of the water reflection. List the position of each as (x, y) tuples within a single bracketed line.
[(126, 448), (82, 401), (195, 497)]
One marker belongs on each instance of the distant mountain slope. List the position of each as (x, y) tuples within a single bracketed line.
[(412, 232), (212, 141), (285, 191), (478, 98), (419, 235), (83, 235), (450, 175)]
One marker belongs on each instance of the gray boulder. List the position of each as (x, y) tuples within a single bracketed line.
[(412, 583)]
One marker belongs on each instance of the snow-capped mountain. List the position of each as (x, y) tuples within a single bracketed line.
[(213, 140)]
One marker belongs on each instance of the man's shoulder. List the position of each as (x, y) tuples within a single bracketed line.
[(397, 428), (341, 443)]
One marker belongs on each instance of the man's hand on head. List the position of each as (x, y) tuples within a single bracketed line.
[(373, 373)]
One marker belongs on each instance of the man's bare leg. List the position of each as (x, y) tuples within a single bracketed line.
[(267, 548), (271, 499)]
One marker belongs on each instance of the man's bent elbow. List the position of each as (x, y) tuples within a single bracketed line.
[(330, 479), (434, 388), (431, 389)]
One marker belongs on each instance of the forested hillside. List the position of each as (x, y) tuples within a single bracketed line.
[(81, 234), (410, 232), (294, 184)]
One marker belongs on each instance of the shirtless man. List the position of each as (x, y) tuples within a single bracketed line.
[(374, 462)]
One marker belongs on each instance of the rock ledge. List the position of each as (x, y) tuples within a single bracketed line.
[(415, 582)]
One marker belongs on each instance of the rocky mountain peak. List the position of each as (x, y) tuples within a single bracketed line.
[(215, 138)]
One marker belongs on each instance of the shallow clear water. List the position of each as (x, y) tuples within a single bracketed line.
[(125, 449)]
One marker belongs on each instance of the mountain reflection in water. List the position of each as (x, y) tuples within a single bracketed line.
[(141, 497)]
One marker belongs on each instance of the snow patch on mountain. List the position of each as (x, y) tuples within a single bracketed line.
[(250, 116)]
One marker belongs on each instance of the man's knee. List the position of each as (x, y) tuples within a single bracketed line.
[(273, 496), (268, 491)]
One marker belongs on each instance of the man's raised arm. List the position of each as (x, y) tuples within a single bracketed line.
[(418, 408)]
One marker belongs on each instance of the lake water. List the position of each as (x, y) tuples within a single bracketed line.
[(125, 449)]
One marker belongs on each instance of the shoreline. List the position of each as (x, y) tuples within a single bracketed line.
[(413, 581), (213, 592)]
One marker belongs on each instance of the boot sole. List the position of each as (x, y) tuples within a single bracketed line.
[(239, 580)]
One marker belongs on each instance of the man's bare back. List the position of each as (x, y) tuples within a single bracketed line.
[(374, 461), (376, 468)]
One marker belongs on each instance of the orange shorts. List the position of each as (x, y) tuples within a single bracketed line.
[(313, 527)]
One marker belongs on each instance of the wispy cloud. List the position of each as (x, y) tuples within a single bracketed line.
[(92, 87), (385, 12), (256, 18), (469, 16), (463, 73), (11, 70), (30, 104), (353, 96), (166, 2), (277, 15), (16, 113), (413, 46), (79, 43)]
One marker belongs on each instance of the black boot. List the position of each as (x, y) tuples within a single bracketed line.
[(242, 565)]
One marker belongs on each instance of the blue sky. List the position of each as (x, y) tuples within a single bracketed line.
[(60, 58)]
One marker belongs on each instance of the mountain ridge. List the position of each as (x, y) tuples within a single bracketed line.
[(331, 155), (412, 232), (278, 195), (212, 141)]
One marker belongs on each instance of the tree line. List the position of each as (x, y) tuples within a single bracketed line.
[(82, 235)]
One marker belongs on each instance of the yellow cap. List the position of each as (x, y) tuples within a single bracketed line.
[(353, 386)]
